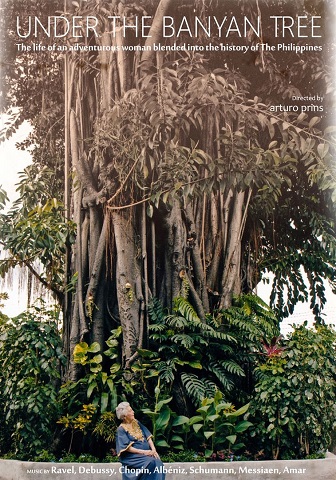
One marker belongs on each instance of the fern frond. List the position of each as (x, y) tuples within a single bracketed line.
[(223, 347), (220, 336), (156, 327), (221, 374), (159, 337)]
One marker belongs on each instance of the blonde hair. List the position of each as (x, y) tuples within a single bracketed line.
[(121, 410)]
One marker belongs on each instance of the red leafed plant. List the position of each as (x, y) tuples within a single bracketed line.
[(273, 349)]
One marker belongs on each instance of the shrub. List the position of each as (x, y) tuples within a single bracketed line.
[(30, 356), (216, 425), (185, 456), (88, 404), (294, 405)]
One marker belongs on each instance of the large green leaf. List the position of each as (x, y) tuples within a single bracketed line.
[(231, 438), (162, 443), (163, 402), (92, 386), (242, 426), (97, 359), (94, 347), (195, 419), (163, 418), (180, 420), (212, 418), (240, 411), (197, 427)]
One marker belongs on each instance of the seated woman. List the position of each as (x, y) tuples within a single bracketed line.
[(135, 448)]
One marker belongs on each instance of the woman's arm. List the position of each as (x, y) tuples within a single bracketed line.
[(153, 449), (150, 453)]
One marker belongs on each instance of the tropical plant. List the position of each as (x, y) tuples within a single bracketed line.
[(169, 429), (88, 403), (293, 407), (101, 388), (191, 354), (220, 352), (216, 425), (307, 239), (250, 321), (31, 358), (106, 426), (79, 422)]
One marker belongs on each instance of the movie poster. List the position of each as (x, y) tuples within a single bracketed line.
[(181, 153)]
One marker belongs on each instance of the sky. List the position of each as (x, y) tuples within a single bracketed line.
[(14, 161)]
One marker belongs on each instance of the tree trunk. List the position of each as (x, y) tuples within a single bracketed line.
[(155, 32), (232, 254), (128, 282), (175, 253)]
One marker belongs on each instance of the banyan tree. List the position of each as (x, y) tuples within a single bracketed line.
[(178, 174)]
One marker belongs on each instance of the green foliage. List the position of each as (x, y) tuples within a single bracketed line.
[(111, 458), (96, 386), (168, 428), (196, 353), (31, 357), (249, 321), (219, 353), (44, 456), (3, 198), (250, 318), (3, 318), (106, 426), (80, 421), (216, 425), (183, 456), (102, 389), (305, 229), (82, 458), (35, 229), (293, 407)]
